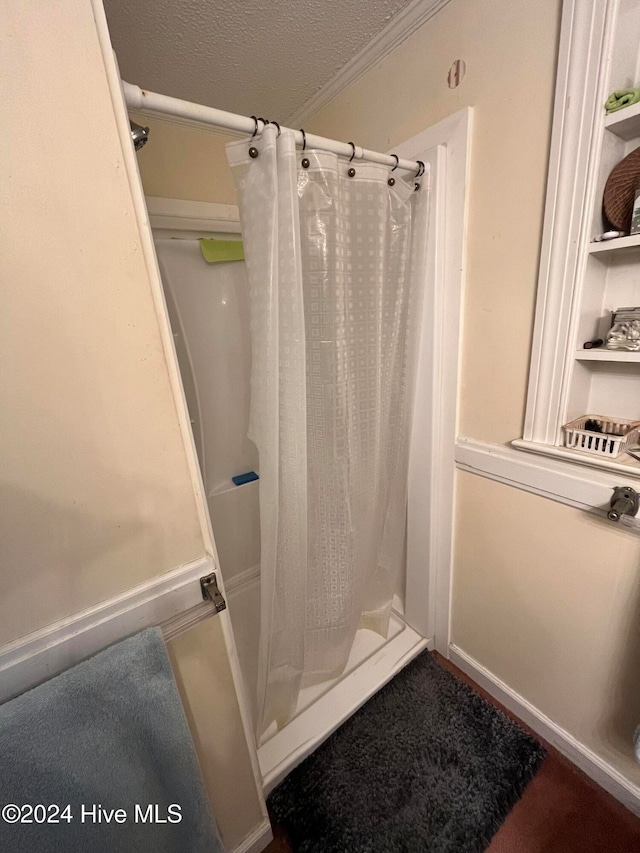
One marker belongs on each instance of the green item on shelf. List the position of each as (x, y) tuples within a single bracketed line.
[(622, 98), (216, 251)]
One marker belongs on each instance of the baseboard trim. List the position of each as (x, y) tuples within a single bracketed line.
[(257, 840), (191, 216), (595, 767)]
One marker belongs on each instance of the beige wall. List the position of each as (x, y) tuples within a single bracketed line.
[(97, 494), (184, 162), (509, 49), (96, 490), (204, 679), (548, 599)]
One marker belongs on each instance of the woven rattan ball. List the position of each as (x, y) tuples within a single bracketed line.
[(617, 203)]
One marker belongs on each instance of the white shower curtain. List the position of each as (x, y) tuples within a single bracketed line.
[(334, 265)]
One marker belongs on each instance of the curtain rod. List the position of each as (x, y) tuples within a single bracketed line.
[(142, 100)]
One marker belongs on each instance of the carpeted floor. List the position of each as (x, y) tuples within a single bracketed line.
[(426, 764)]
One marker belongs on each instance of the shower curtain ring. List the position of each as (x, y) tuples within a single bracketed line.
[(255, 130), (304, 138), (278, 126), (353, 154), (397, 161), (421, 169)]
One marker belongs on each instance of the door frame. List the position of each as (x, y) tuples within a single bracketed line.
[(446, 147)]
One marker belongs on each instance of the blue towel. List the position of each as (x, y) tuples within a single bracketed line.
[(108, 734)]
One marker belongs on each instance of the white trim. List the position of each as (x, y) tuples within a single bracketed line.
[(577, 457), (177, 625), (432, 468), (192, 216), (588, 761), (577, 122), (242, 579), (257, 840), (36, 657), (403, 24), (555, 479)]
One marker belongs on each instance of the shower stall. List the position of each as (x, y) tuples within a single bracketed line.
[(208, 306), (209, 311)]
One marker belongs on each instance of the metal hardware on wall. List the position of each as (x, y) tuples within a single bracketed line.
[(139, 135), (625, 501), (210, 592)]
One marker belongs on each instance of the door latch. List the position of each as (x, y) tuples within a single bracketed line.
[(625, 501), (210, 592)]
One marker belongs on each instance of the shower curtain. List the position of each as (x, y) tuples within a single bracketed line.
[(334, 265)]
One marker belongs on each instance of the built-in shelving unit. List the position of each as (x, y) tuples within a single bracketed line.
[(583, 282)]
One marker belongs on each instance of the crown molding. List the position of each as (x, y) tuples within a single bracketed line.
[(399, 28)]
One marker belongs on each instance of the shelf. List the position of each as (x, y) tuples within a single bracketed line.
[(225, 486), (607, 355), (611, 245), (624, 123)]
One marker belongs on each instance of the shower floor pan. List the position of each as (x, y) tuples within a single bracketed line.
[(322, 708)]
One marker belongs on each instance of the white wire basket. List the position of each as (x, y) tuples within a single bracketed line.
[(615, 438)]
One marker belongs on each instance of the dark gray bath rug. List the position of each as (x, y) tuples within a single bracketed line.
[(425, 765)]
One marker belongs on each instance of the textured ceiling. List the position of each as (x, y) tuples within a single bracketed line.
[(257, 56)]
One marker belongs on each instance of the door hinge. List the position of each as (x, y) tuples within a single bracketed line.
[(210, 592)]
